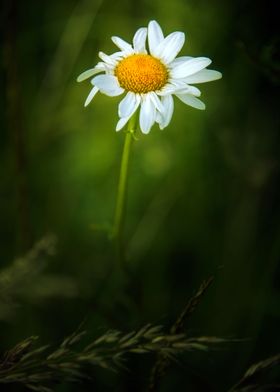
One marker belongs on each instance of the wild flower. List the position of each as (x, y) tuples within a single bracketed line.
[(150, 78)]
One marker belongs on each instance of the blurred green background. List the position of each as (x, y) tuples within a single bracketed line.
[(203, 193)]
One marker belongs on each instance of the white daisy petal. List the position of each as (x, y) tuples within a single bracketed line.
[(108, 84), (179, 60), (121, 123), (168, 104), (123, 45), (88, 73), (92, 93), (168, 49), (190, 67), (166, 90), (139, 40), (129, 104), (194, 91), (191, 101), (188, 90), (172, 87), (155, 35), (107, 59), (147, 114), (123, 120), (158, 118), (156, 101), (205, 75), (118, 55)]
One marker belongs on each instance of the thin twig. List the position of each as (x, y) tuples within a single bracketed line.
[(163, 361), (249, 381)]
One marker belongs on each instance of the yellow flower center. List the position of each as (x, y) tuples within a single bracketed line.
[(141, 73)]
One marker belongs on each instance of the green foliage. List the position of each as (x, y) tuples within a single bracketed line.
[(40, 367)]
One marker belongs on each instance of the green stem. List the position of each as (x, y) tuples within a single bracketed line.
[(122, 190)]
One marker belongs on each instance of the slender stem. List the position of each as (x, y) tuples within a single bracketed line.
[(122, 190)]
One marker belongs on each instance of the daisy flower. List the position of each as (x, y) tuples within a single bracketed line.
[(150, 78)]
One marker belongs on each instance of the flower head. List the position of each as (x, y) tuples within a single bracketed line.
[(150, 78)]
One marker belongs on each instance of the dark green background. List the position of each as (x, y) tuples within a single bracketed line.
[(203, 193)]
